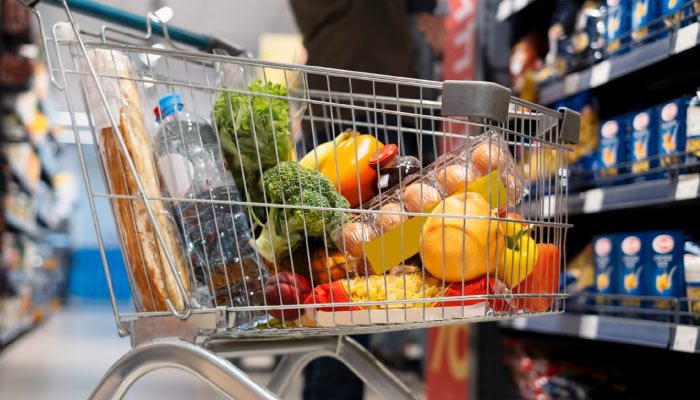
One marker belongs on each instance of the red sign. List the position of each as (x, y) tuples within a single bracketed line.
[(447, 363), (460, 54)]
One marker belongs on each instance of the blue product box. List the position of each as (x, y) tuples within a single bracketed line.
[(645, 23), (605, 262), (617, 25), (634, 268), (667, 275), (674, 11), (643, 145), (612, 149), (671, 132)]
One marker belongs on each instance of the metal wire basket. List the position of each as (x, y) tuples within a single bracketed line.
[(278, 201)]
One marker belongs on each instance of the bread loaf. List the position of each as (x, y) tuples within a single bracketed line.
[(153, 281)]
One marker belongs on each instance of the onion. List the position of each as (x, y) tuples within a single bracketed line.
[(415, 192), (355, 235), (487, 158), (454, 178), (386, 222)]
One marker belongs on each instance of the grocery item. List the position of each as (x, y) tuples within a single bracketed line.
[(393, 169), (286, 228), (617, 26), (354, 237), (642, 145), (386, 222), (492, 156), (152, 277), (644, 19), (634, 268), (692, 133), (691, 266), (606, 261), (461, 249), (611, 146), (254, 132), (543, 280), (581, 269), (671, 132), (588, 39), (321, 154), (525, 61), (675, 11), (420, 197), (558, 35), (347, 166), (217, 235), (454, 178), (284, 289), (666, 277), (476, 287), (519, 256), (376, 288)]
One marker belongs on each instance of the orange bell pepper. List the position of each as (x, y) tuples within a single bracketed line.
[(544, 279), (348, 162)]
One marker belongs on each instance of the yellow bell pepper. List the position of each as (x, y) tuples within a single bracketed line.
[(520, 253)]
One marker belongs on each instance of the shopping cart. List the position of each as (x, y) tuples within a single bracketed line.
[(481, 243)]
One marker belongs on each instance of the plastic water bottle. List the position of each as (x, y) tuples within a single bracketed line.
[(217, 235)]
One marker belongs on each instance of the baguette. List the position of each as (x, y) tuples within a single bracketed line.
[(153, 281)]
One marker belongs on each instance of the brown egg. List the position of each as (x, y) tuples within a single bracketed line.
[(420, 197), (386, 222), (454, 178), (355, 235), (487, 157)]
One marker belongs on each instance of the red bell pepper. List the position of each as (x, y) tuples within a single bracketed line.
[(475, 287), (322, 296), (544, 279)]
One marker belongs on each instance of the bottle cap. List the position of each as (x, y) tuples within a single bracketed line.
[(156, 112), (170, 104), (384, 156)]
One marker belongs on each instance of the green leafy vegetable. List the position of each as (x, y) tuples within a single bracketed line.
[(286, 228), (254, 133)]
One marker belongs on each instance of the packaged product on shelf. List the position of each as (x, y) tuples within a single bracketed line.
[(691, 266), (643, 145), (692, 133), (645, 25), (217, 235), (667, 277), (606, 261), (617, 26), (612, 148), (588, 39), (145, 253), (634, 268), (525, 61), (675, 11), (581, 271), (671, 132), (556, 61)]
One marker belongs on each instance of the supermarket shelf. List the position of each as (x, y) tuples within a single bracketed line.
[(13, 332), (21, 181), (662, 335), (22, 227), (638, 58), (638, 194)]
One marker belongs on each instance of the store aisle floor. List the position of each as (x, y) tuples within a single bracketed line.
[(64, 359)]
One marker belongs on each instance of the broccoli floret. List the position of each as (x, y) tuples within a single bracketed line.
[(290, 184)]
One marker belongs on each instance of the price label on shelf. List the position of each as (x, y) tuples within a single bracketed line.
[(589, 327), (519, 323), (686, 37), (593, 201), (600, 74), (504, 10), (686, 338), (571, 83), (687, 187), (549, 206)]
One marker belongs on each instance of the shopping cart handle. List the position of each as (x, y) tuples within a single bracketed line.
[(135, 21)]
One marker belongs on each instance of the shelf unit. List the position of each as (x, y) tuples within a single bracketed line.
[(7, 335), (633, 195), (677, 337), (636, 59)]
